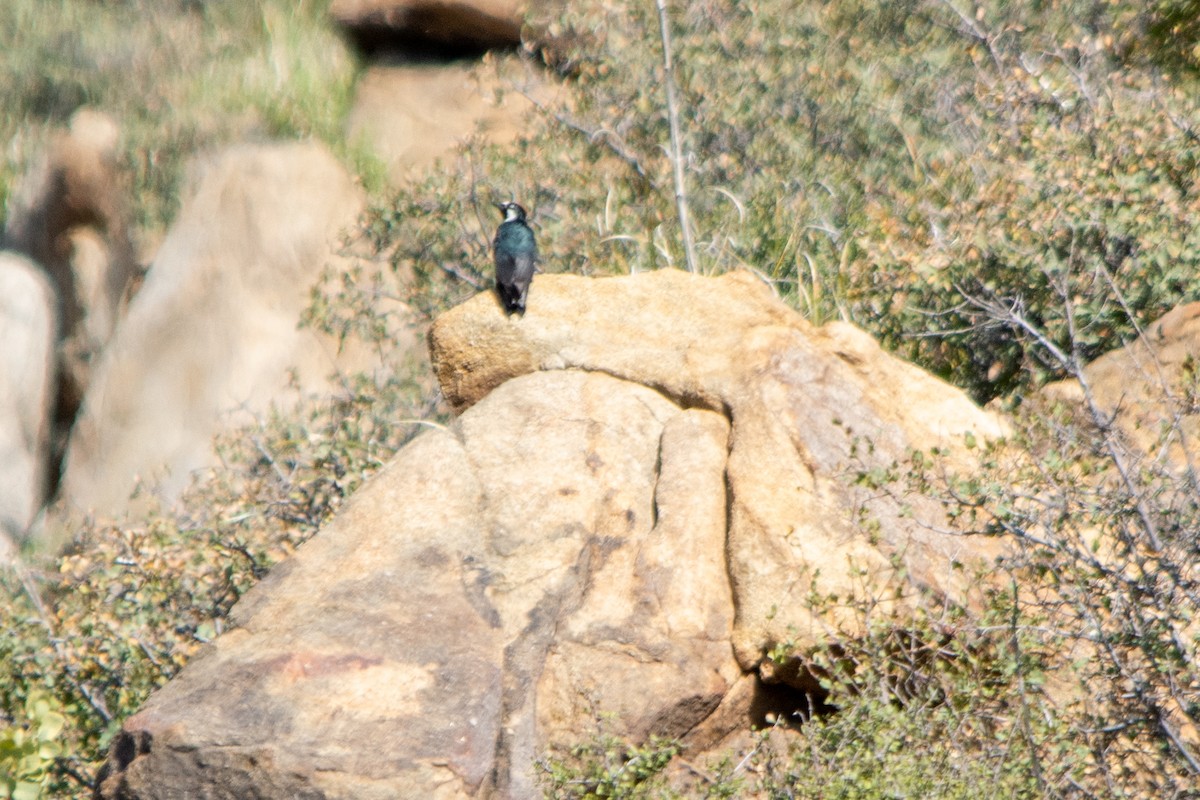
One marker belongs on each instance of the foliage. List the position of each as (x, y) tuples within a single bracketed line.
[(1104, 553), (604, 766), (1076, 175), (905, 166), (934, 705), (1101, 526), (27, 754), (896, 164)]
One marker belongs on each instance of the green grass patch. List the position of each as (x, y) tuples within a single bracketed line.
[(179, 76)]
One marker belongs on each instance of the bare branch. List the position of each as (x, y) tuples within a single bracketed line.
[(681, 200), (608, 138)]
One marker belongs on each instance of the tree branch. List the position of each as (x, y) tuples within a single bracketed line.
[(681, 200)]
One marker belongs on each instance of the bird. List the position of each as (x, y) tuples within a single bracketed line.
[(516, 258)]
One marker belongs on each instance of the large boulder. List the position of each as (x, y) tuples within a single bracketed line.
[(212, 341), (645, 477), (557, 552), (810, 409), (27, 330), (426, 90)]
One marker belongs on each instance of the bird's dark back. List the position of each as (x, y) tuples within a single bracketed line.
[(515, 237)]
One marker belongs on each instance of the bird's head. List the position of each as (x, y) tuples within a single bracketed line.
[(511, 210)]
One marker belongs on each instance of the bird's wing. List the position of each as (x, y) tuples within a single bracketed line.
[(506, 267), (524, 265)]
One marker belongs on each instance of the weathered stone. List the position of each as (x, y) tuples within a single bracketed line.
[(27, 329), (543, 559), (810, 408), (413, 114), (1147, 389), (646, 477), (212, 339), (650, 641), (76, 187)]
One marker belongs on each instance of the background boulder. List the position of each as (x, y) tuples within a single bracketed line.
[(412, 114), (1149, 380), (213, 337), (27, 329), (426, 89), (478, 24), (646, 476)]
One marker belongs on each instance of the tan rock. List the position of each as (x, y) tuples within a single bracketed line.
[(646, 477), (655, 621), (412, 114), (212, 339), (810, 409), (1149, 389), (544, 558), (27, 329)]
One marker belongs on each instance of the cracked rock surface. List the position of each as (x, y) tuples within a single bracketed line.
[(645, 474)]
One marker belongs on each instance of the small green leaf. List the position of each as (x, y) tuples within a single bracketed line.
[(27, 791)]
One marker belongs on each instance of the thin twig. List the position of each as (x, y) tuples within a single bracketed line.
[(72, 672), (610, 140), (1074, 368)]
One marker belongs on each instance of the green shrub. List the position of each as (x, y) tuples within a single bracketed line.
[(28, 754), (934, 704), (1103, 554), (898, 164), (604, 766)]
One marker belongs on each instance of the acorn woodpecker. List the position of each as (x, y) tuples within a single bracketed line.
[(516, 258)]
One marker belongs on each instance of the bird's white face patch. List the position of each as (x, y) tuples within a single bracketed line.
[(511, 211)]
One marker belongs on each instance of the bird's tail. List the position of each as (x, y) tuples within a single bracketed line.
[(512, 298)]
